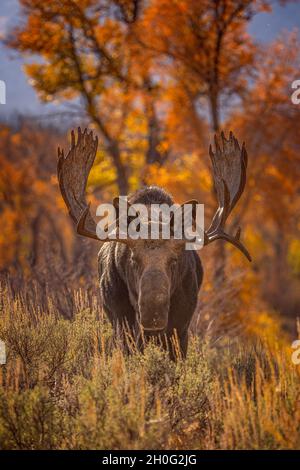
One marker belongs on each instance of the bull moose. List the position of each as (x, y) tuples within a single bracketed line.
[(152, 285)]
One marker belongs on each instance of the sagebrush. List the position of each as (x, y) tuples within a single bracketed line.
[(68, 384)]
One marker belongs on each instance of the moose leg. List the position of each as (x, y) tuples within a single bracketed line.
[(117, 307), (180, 316)]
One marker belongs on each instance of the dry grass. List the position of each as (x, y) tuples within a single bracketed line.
[(69, 385)]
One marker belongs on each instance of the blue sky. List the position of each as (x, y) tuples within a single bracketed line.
[(21, 97)]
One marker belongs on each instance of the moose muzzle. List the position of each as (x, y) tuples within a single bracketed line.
[(154, 302)]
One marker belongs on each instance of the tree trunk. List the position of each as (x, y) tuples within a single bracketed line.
[(214, 110), (152, 154), (220, 251), (122, 179)]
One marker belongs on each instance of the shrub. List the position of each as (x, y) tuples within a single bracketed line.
[(68, 385)]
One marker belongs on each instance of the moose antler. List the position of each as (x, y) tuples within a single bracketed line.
[(73, 171), (229, 171)]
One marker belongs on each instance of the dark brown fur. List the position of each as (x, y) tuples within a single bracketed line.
[(153, 284)]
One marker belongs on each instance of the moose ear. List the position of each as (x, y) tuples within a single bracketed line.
[(116, 202), (193, 203), (116, 206)]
